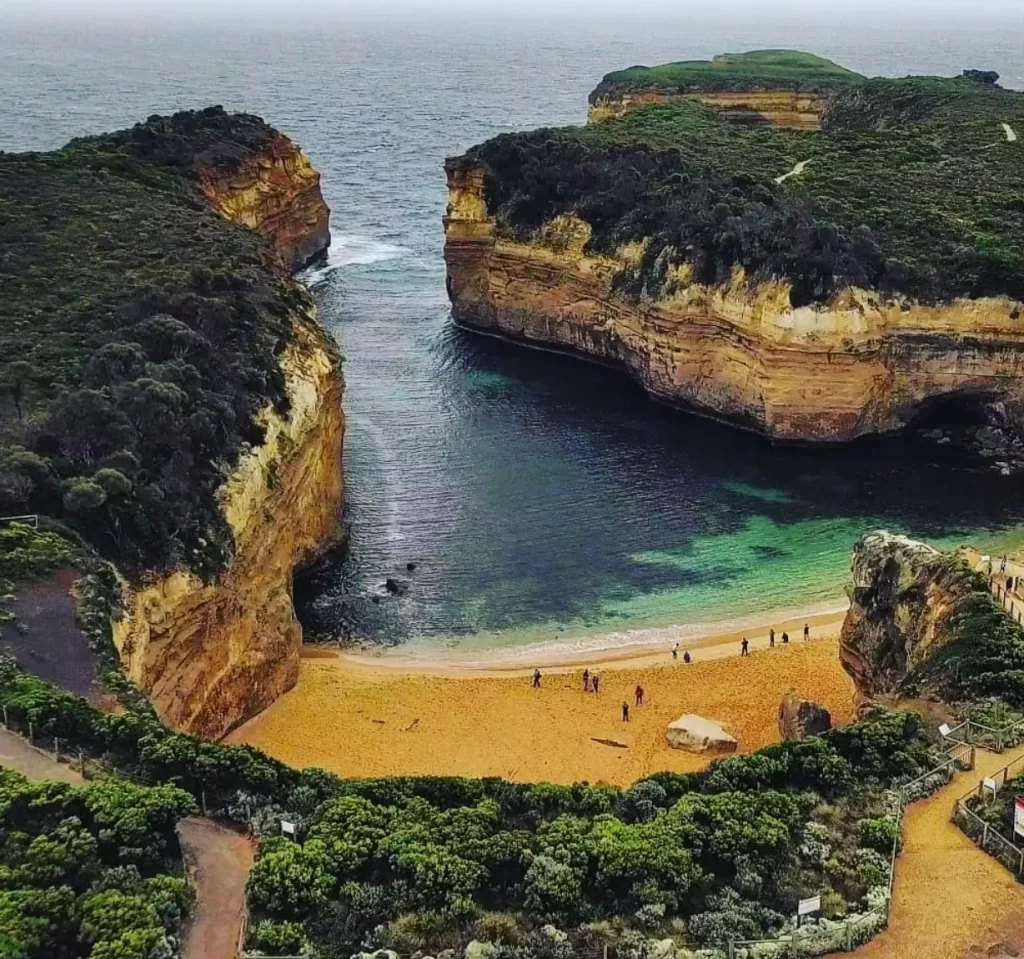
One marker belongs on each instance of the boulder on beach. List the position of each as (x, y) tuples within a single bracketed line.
[(800, 718), (699, 735)]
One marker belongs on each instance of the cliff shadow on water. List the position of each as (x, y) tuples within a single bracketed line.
[(556, 498)]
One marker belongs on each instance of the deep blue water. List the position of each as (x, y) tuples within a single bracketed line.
[(535, 494)]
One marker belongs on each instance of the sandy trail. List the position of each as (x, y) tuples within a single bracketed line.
[(360, 718), (33, 763), (951, 900), (1011, 134), (796, 171)]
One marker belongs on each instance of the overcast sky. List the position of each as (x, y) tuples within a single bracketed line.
[(953, 10)]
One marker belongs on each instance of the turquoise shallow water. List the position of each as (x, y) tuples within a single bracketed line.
[(540, 498)]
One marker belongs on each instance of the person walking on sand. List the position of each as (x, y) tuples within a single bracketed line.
[(536, 679), (675, 651), (743, 647), (625, 712), (595, 683), (785, 637), (586, 680), (686, 656), (639, 695), (1002, 565), (771, 637), (807, 632)]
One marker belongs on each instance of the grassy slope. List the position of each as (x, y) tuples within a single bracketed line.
[(912, 187), (139, 334), (757, 70)]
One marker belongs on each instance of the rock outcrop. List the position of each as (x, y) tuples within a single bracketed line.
[(211, 655), (863, 363), (275, 191), (699, 735), (901, 599), (800, 718), (791, 109)]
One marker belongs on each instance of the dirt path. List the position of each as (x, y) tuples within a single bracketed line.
[(1011, 134), (219, 861), (796, 171), (951, 900), (18, 755)]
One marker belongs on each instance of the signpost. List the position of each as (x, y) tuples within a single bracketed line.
[(806, 906), (1018, 817), (988, 783), (287, 828), (944, 730)]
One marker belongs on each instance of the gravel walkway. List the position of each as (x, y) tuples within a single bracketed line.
[(951, 900)]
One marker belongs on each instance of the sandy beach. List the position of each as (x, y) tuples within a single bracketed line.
[(364, 715)]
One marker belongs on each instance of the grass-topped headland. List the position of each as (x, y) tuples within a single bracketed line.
[(140, 335), (755, 70), (913, 188)]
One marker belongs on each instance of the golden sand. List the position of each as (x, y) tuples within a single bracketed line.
[(360, 716)]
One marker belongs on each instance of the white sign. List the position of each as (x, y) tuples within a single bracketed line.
[(987, 783), (287, 828), (807, 906), (944, 730), (1018, 817)]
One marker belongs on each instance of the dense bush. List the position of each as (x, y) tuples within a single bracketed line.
[(139, 338), (911, 189), (92, 871)]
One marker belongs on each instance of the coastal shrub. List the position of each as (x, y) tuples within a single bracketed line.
[(89, 871), (140, 336), (878, 834), (913, 214)]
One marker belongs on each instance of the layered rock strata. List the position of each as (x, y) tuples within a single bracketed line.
[(902, 597), (861, 364), (211, 655), (276, 192), (791, 109)]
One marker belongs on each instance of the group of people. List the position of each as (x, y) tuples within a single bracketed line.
[(675, 653), (745, 645), (592, 684)]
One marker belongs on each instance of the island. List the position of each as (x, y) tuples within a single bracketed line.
[(813, 279)]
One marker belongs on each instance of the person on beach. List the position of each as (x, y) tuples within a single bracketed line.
[(595, 682), (785, 637), (639, 695), (625, 712), (686, 656), (807, 632), (675, 651), (536, 679), (586, 680), (1002, 565), (771, 636), (743, 647)]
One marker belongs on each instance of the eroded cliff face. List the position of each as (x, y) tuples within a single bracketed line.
[(275, 192), (902, 596), (741, 352), (213, 655), (782, 108)]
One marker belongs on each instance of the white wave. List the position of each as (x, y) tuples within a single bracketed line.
[(352, 250)]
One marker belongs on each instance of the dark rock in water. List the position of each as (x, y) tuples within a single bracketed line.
[(801, 718), (395, 586), (374, 599), (410, 566), (988, 77)]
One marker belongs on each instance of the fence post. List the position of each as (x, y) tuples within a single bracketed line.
[(731, 950), (30, 736), (999, 740), (5, 719), (604, 951), (202, 800), (81, 762), (984, 836), (849, 936), (56, 749)]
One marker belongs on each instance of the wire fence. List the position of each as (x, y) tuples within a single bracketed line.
[(995, 739), (29, 519), (986, 834)]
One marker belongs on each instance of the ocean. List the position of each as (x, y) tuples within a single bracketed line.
[(539, 498)]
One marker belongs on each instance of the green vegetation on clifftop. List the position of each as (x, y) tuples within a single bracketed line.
[(139, 337), (751, 71), (912, 187)]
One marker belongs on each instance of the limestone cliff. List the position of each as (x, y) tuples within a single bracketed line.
[(862, 363), (902, 597), (211, 655), (790, 109), (275, 191)]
